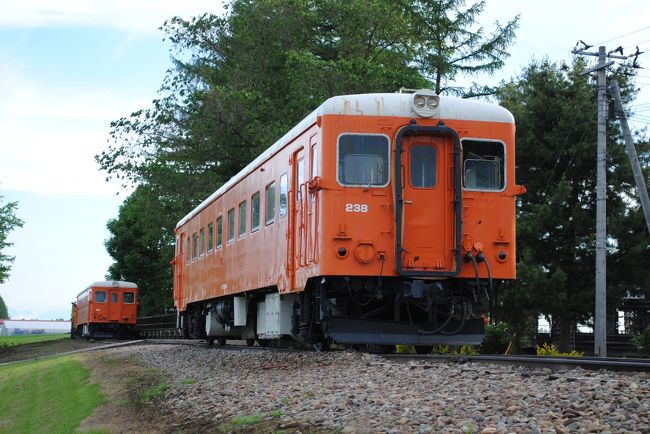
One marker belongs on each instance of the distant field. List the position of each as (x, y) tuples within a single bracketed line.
[(13, 341), (51, 396)]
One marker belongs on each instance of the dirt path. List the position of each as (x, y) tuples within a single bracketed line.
[(46, 348)]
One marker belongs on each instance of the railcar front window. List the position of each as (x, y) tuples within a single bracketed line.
[(231, 225), (242, 219), (300, 178), (483, 165), (255, 211), (128, 298), (270, 203), (114, 297), (363, 160), (423, 166), (284, 191), (100, 296)]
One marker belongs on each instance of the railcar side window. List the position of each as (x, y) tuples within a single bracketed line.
[(483, 165), (242, 219), (202, 242), (423, 166), (284, 189), (128, 298), (363, 160), (255, 211), (219, 232), (100, 296), (210, 237), (270, 203), (195, 245), (231, 225), (188, 250), (113, 297), (314, 169)]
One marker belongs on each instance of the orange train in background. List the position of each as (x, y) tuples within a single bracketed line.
[(379, 219), (105, 310)]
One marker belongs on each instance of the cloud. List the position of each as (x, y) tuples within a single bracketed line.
[(142, 15)]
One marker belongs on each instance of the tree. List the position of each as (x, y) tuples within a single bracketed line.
[(555, 110), (4, 313), (141, 245), (8, 222), (448, 45)]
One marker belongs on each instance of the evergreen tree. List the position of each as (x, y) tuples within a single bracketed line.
[(555, 110)]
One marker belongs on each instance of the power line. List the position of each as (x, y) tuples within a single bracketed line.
[(627, 34)]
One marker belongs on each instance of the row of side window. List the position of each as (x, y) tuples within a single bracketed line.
[(199, 240)]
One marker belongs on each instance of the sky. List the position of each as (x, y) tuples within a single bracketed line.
[(70, 67)]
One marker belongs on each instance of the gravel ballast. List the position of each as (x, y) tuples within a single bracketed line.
[(362, 393)]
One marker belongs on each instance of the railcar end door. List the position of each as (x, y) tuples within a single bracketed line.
[(428, 209)]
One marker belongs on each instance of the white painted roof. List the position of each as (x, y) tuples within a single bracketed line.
[(110, 284), (371, 104)]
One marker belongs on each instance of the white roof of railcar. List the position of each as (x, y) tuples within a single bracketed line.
[(371, 104), (110, 284)]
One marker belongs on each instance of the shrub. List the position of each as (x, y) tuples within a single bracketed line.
[(551, 350), (497, 337), (642, 341)]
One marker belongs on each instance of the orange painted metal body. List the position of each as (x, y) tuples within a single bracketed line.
[(304, 243)]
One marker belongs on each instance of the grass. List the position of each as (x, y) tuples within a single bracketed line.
[(152, 392), (46, 396), (14, 341)]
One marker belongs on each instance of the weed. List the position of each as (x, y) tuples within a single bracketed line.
[(153, 392), (285, 400), (405, 349), (470, 428), (246, 420), (276, 413), (309, 395), (551, 350), (449, 411), (188, 381)]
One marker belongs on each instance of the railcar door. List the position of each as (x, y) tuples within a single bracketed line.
[(298, 199), (114, 305), (177, 263), (428, 203)]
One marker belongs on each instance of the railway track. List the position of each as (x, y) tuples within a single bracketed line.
[(555, 363)]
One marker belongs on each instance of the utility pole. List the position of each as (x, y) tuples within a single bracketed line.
[(641, 188), (600, 314)]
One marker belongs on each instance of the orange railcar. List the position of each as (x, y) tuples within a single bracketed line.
[(105, 310), (378, 219)]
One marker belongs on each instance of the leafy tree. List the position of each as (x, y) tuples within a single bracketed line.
[(555, 109), (448, 44), (8, 222), (141, 245), (4, 313)]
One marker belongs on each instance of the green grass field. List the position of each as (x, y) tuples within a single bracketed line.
[(46, 396), (12, 341)]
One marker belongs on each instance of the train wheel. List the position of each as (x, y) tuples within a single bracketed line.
[(221, 342), (210, 340), (423, 349), (250, 342)]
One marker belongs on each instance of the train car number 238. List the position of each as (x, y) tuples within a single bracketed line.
[(356, 207)]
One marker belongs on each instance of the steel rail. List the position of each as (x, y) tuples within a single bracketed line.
[(556, 363)]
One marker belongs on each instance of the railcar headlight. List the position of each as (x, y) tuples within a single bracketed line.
[(425, 103), (433, 102)]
